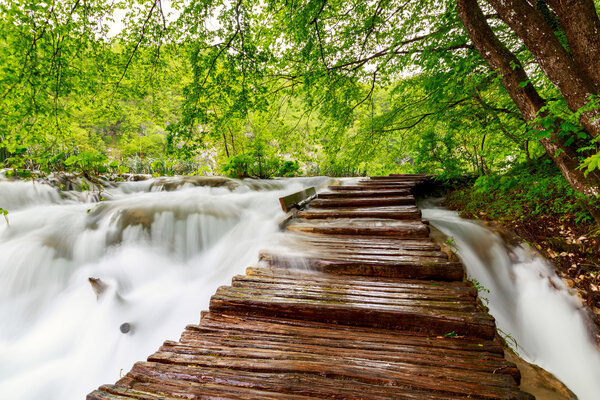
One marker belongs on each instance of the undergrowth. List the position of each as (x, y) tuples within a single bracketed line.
[(531, 189)]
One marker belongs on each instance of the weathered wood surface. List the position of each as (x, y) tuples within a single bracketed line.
[(397, 212), (363, 202), (298, 199), (364, 193), (356, 302)]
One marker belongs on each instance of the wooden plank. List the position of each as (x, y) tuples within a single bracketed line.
[(364, 226), (371, 242), (363, 193), (446, 271), (399, 186), (381, 283), (347, 249), (297, 200), (242, 343), (284, 382), (398, 212), (436, 321), (371, 337), (363, 202), (395, 287)]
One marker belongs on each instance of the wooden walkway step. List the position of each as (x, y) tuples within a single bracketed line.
[(397, 212), (356, 303), (364, 193), (363, 202)]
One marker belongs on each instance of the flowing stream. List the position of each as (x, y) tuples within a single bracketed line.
[(528, 300), (160, 247)]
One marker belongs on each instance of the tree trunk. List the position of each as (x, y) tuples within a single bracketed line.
[(526, 97), (580, 23), (225, 142), (558, 65)]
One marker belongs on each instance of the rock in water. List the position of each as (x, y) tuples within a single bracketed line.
[(98, 286), (125, 327)]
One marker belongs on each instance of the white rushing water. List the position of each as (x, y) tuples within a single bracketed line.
[(530, 303), (161, 247)]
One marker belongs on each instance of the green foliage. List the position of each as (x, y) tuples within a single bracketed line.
[(4, 213), (533, 188), (88, 161)]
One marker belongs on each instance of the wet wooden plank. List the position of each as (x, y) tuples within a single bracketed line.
[(297, 200), (398, 186), (353, 336), (399, 212), (370, 285), (339, 309), (363, 202), (443, 271), (403, 177), (371, 242), (363, 193), (283, 355), (296, 289), (244, 344), (363, 226), (379, 282), (273, 384)]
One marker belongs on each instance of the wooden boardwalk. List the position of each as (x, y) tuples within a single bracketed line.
[(363, 305)]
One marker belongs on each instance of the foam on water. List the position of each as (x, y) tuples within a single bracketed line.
[(528, 300)]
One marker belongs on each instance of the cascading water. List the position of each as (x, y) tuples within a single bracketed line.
[(530, 303), (160, 247)]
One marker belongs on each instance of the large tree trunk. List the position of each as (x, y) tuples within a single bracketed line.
[(558, 65), (527, 99), (580, 23)]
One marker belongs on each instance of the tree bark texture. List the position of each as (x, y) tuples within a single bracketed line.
[(558, 65), (580, 23)]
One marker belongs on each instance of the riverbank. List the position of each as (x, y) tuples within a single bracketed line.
[(565, 239)]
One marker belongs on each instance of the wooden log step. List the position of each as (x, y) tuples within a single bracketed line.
[(418, 316), (345, 254), (296, 289), (381, 283), (386, 182), (141, 381), (405, 177), (443, 271), (363, 202), (363, 193), (242, 344), (256, 383), (362, 251), (334, 365), (371, 242), (400, 212), (343, 188), (352, 336), (364, 226)]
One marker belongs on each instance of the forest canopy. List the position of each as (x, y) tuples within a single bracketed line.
[(266, 88)]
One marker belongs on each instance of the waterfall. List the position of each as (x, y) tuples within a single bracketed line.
[(529, 301)]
